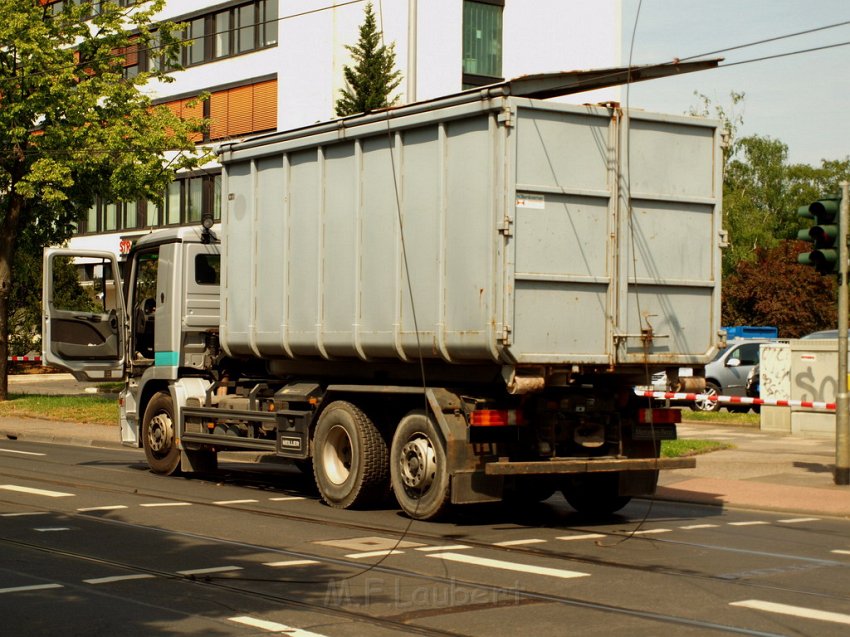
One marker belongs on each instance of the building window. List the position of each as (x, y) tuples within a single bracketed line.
[(234, 31), (482, 42), (185, 201), (242, 110)]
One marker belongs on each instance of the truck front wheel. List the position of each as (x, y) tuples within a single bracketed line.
[(349, 457), (158, 436), (418, 470)]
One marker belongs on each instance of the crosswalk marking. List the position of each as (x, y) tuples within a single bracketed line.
[(291, 563), (581, 536), (206, 571), (796, 611), (649, 531), (273, 627), (24, 589), (358, 556), (507, 566), (23, 453), (117, 578), (519, 542), (31, 491), (112, 507)]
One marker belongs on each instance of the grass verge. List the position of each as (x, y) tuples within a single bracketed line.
[(97, 410), (690, 447), (721, 417)]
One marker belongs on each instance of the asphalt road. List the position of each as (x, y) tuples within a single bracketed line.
[(92, 543)]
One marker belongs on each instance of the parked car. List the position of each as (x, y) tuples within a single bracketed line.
[(753, 383), (727, 374)]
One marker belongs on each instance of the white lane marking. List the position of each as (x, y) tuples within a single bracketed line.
[(691, 527), (841, 552), (288, 498), (518, 542), (50, 529), (166, 504), (31, 491), (797, 520), (23, 453), (447, 547), (581, 536), (796, 611), (23, 589), (205, 571), (235, 501), (22, 513), (113, 507), (647, 531), (357, 556), (290, 563), (273, 627), (117, 578), (751, 523), (508, 566)]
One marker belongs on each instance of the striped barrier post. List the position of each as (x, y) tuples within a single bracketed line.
[(735, 400)]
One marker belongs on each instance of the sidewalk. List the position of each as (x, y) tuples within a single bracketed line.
[(766, 471)]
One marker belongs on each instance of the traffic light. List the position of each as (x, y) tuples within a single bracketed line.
[(824, 256)]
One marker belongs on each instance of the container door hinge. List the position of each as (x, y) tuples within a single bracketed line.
[(506, 117), (505, 337), (505, 227), (724, 239)]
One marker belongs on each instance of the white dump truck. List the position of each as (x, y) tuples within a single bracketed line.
[(452, 300)]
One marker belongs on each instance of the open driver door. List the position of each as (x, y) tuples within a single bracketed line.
[(84, 322)]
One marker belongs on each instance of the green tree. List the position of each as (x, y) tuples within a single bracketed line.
[(74, 125), (373, 78), (771, 288)]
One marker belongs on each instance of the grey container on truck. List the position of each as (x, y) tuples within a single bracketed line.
[(507, 220)]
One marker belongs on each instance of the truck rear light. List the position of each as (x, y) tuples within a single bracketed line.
[(496, 418), (659, 416)]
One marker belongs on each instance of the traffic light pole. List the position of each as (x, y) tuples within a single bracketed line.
[(842, 411)]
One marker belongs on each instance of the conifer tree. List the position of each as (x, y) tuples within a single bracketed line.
[(372, 79)]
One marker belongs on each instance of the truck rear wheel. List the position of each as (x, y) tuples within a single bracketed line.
[(595, 493), (349, 457), (418, 470), (158, 435)]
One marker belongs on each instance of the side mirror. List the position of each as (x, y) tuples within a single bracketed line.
[(733, 362)]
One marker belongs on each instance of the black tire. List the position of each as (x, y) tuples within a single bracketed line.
[(595, 494), (418, 468), (711, 389), (158, 435), (349, 457), (528, 490)]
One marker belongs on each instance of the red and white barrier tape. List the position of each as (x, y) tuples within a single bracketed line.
[(27, 359), (735, 400)]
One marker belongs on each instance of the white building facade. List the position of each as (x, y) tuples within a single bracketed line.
[(278, 64)]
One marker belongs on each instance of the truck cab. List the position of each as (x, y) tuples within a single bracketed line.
[(149, 327)]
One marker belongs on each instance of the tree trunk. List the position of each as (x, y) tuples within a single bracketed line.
[(8, 235)]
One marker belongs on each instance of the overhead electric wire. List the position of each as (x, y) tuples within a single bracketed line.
[(671, 62)]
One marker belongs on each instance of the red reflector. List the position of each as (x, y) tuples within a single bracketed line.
[(496, 418), (659, 416)]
